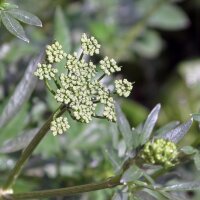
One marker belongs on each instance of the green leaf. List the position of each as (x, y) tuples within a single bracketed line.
[(168, 127), (195, 185), (131, 174), (124, 126), (149, 45), (22, 92), (197, 160), (175, 135), (169, 17), (149, 124), (19, 142), (120, 196), (189, 150), (61, 30), (7, 6), (196, 116), (25, 17), (13, 26)]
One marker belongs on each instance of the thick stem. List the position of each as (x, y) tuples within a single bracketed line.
[(29, 149), (70, 191)]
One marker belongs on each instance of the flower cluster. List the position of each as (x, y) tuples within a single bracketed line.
[(109, 66), (160, 152), (55, 53), (79, 87), (90, 46), (59, 125), (123, 87), (45, 71)]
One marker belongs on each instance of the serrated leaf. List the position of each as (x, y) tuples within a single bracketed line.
[(195, 185), (197, 160), (188, 150), (13, 26), (21, 93), (175, 135), (61, 30), (25, 17), (131, 174), (150, 123), (124, 126), (167, 127), (196, 116), (18, 143)]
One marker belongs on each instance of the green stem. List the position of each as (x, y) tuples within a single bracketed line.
[(49, 87), (57, 83), (101, 77), (29, 149), (70, 191)]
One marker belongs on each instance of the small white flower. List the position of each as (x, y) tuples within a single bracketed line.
[(59, 125), (55, 53), (90, 46), (123, 87), (45, 71), (109, 66)]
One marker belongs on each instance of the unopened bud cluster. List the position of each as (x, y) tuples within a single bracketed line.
[(160, 152), (90, 46), (79, 86), (123, 87), (59, 125), (109, 66), (45, 71)]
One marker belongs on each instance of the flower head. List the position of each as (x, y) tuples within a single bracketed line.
[(160, 152), (123, 87), (55, 53), (45, 71), (78, 87), (59, 125), (90, 46), (109, 66)]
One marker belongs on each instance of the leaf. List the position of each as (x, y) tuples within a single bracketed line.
[(18, 143), (124, 126), (25, 17), (113, 158), (168, 127), (120, 196), (13, 26), (189, 150), (21, 93), (131, 174), (197, 160), (9, 6), (175, 135), (61, 30), (150, 123), (195, 185), (196, 116), (169, 17), (149, 44), (156, 194)]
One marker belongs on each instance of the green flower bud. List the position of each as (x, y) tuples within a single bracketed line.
[(160, 152)]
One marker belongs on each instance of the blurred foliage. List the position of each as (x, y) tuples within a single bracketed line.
[(155, 41)]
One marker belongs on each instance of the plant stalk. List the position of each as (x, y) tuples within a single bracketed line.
[(69, 191), (29, 149)]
